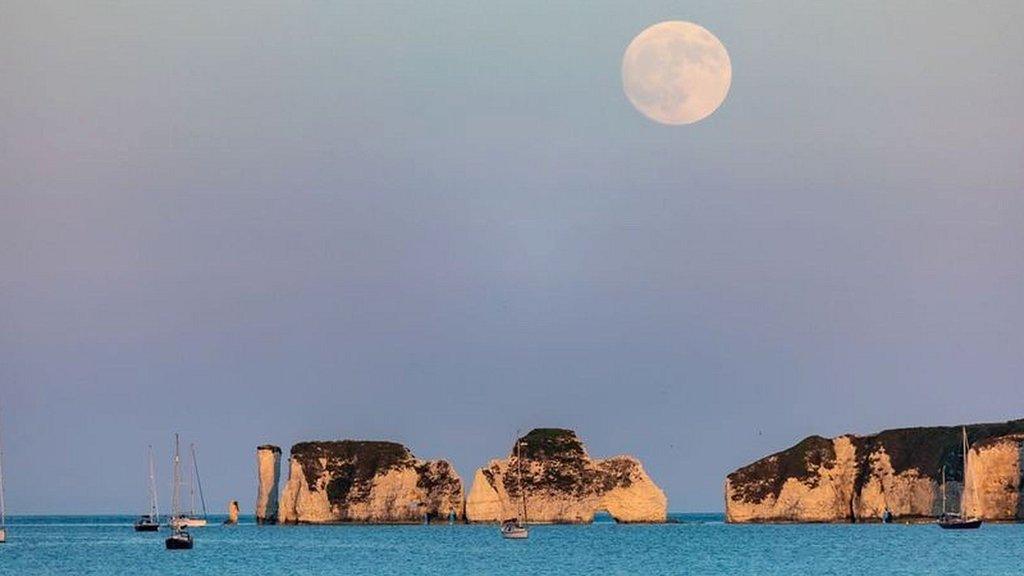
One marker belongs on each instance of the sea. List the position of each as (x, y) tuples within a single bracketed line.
[(691, 544)]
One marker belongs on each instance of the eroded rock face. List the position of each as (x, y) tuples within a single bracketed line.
[(563, 484), (855, 478), (366, 481), (268, 470), (993, 489)]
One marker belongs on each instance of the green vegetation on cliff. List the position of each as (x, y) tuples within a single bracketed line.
[(555, 460), (352, 464), (924, 449)]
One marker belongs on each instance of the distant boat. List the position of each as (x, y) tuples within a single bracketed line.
[(150, 522), (954, 520), (513, 529), (3, 507), (192, 519), (887, 516), (180, 539)]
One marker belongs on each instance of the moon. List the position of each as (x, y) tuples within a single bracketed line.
[(676, 72)]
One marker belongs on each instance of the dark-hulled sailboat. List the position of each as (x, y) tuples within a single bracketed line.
[(150, 522), (180, 539), (957, 520)]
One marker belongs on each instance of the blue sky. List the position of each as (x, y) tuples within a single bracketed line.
[(437, 224)]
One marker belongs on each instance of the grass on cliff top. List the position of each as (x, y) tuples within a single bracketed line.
[(351, 466), (753, 483), (350, 463), (925, 449), (550, 443), (928, 449)]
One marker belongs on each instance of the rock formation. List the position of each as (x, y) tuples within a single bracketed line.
[(363, 481), (232, 512), (855, 478), (993, 489), (564, 485), (268, 470)]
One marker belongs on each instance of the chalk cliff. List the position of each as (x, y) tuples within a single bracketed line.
[(855, 478), (993, 489), (563, 484), (268, 470), (365, 481)]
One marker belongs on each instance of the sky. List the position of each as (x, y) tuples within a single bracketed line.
[(441, 223)]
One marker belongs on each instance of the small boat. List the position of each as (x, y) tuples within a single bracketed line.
[(887, 516), (513, 529), (3, 508), (192, 520), (180, 539), (150, 522), (953, 520)]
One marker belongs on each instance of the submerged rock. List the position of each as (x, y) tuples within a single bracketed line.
[(564, 485), (268, 470), (856, 478), (367, 481)]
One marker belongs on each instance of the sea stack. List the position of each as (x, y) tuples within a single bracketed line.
[(563, 484), (857, 478), (232, 512), (367, 482), (268, 470)]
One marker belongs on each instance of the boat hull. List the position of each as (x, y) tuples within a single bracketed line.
[(512, 530), (179, 542), (147, 527), (960, 524), (188, 522)]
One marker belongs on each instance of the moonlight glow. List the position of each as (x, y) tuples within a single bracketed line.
[(676, 72)]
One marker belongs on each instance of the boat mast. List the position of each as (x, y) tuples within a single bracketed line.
[(199, 481), (153, 511), (192, 491), (3, 507), (963, 493), (943, 489), (519, 466), (175, 496)]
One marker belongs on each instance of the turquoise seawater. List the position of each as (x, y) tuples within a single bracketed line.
[(698, 544)]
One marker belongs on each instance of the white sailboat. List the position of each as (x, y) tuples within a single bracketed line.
[(150, 522), (513, 528), (192, 519), (179, 539), (957, 520), (3, 506)]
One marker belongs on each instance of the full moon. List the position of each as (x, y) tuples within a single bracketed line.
[(676, 72)]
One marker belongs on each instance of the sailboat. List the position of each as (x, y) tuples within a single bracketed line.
[(512, 528), (193, 520), (954, 520), (179, 539), (150, 522), (3, 507)]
